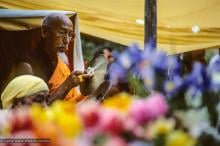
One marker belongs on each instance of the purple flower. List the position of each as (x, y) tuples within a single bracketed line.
[(148, 77), (159, 62), (116, 73), (173, 86), (174, 67), (130, 57), (214, 73), (135, 53), (198, 77), (125, 60)]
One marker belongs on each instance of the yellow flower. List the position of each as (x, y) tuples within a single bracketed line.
[(38, 113), (70, 124), (179, 138), (66, 118), (161, 126), (119, 102), (62, 115)]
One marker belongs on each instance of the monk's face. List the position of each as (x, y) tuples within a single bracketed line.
[(60, 34)]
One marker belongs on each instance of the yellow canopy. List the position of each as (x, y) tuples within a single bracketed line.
[(183, 25)]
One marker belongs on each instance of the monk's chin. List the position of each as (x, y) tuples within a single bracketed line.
[(62, 49)]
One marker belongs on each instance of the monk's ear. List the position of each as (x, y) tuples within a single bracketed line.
[(44, 31)]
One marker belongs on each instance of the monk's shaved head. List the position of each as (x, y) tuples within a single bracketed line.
[(56, 19)]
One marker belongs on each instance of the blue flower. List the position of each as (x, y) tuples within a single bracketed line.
[(214, 73), (197, 79), (116, 73), (148, 77), (174, 66), (135, 53), (159, 62), (173, 86)]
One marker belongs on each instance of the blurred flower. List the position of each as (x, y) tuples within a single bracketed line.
[(47, 130), (148, 76), (125, 60), (25, 135), (111, 122), (145, 110), (135, 53), (193, 97), (116, 73), (120, 102), (132, 126), (115, 141), (214, 72), (160, 126), (196, 120), (89, 112), (61, 114), (21, 120), (139, 143), (66, 116), (139, 112), (173, 86), (5, 124), (179, 138), (160, 62), (39, 114), (174, 67), (197, 79), (65, 120), (82, 141), (157, 104)]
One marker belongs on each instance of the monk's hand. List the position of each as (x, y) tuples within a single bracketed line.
[(78, 77)]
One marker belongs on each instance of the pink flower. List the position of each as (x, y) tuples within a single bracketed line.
[(111, 122), (90, 114), (115, 141), (139, 112), (145, 110), (157, 104), (21, 120)]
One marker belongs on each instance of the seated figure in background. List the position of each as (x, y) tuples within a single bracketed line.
[(106, 51), (25, 90)]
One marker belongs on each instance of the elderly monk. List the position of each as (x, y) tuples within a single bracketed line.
[(25, 90), (57, 33)]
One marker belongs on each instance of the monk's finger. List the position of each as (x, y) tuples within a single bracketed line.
[(77, 72), (85, 76), (76, 80)]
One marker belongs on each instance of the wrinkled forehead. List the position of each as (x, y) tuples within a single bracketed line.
[(58, 21)]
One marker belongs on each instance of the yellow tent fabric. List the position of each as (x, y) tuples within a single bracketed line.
[(121, 20)]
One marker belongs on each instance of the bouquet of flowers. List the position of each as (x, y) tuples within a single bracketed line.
[(168, 108)]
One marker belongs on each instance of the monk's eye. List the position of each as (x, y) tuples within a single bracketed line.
[(62, 33)]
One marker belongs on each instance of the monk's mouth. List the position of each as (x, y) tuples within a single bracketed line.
[(62, 49)]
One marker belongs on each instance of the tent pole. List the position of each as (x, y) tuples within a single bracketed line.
[(150, 27)]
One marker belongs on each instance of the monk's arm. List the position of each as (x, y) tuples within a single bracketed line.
[(72, 81)]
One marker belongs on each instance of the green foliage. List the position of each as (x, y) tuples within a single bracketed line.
[(91, 44)]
